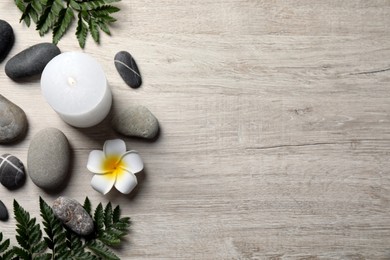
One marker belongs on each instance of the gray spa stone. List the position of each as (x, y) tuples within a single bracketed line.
[(3, 212), (73, 215), (48, 159), (128, 69), (7, 39), (31, 61), (136, 121), (13, 121), (12, 174)]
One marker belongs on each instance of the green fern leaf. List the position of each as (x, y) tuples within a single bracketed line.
[(37, 6), (105, 10), (56, 238), (81, 34), (23, 218), (94, 29), (49, 16), (116, 214), (4, 246), (20, 5), (76, 248), (21, 253), (94, 4), (28, 234), (109, 239), (5, 252), (25, 16), (61, 243), (104, 28), (99, 218), (116, 232), (87, 203), (40, 247), (8, 255), (63, 23), (101, 250), (108, 215), (33, 14), (76, 6), (57, 15)]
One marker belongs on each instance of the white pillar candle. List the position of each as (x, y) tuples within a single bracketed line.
[(75, 86)]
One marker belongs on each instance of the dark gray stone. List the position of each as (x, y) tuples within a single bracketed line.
[(136, 121), (31, 61), (128, 69), (12, 174), (73, 215), (13, 121), (7, 39), (48, 159), (3, 212)]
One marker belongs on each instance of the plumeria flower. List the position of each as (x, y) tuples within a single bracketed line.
[(114, 167)]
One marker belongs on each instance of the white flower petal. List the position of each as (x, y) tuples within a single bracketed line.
[(115, 147), (132, 162), (95, 161), (103, 183), (125, 182)]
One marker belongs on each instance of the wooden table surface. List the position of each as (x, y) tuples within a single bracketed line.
[(275, 128)]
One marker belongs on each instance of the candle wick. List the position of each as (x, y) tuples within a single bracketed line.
[(71, 81)]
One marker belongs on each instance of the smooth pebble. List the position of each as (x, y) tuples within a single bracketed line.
[(31, 61), (3, 212), (128, 69), (48, 159), (136, 121), (7, 39), (73, 215), (12, 174), (13, 121)]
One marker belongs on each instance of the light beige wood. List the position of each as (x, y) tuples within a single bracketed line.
[(275, 128)]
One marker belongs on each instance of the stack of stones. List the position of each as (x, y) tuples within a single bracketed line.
[(49, 152)]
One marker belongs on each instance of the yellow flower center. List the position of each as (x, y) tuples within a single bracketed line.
[(114, 166)]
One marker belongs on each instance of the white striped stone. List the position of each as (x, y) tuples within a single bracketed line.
[(12, 173)]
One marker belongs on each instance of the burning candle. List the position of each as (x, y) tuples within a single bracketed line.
[(75, 86)]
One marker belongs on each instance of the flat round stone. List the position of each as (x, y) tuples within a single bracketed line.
[(31, 61), (12, 174), (3, 212), (73, 215), (128, 69), (13, 121), (7, 39), (136, 121), (48, 159)]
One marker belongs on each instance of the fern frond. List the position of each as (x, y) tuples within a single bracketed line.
[(59, 242), (116, 214), (87, 205), (94, 29), (5, 252), (57, 15), (56, 237), (28, 234), (64, 20), (99, 218), (50, 16), (108, 215)]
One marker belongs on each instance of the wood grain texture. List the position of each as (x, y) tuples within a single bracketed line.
[(275, 128)]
